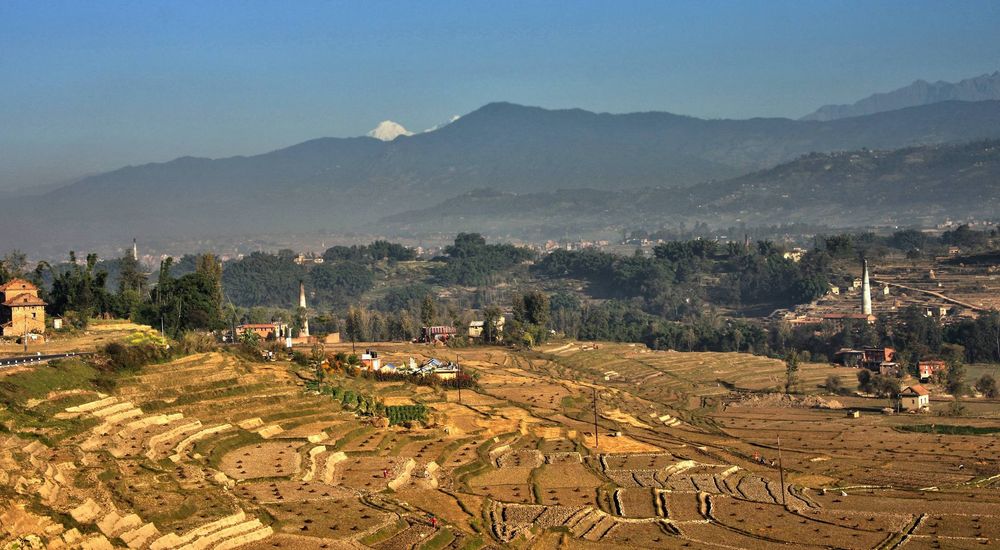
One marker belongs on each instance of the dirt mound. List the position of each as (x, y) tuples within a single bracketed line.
[(781, 400)]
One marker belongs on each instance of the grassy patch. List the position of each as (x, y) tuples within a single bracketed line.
[(443, 538), (384, 533), (948, 429), (64, 374), (353, 434)]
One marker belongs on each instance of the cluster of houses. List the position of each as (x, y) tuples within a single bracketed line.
[(446, 370), (882, 360), (443, 333)]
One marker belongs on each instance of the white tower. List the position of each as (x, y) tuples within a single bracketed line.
[(302, 304), (135, 250), (866, 291)]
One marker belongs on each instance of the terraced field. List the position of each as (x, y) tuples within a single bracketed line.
[(211, 451)]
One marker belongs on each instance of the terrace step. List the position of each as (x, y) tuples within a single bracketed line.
[(586, 523), (576, 516), (181, 448), (176, 431), (217, 537), (138, 537), (246, 538), (112, 409), (122, 415), (93, 405), (172, 541), (600, 529), (114, 524)]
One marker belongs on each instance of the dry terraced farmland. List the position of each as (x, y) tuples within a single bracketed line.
[(212, 451)]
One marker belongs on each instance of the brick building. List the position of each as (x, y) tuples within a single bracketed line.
[(22, 311)]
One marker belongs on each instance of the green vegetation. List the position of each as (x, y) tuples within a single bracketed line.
[(442, 539), (470, 261), (948, 429), (401, 414), (63, 374)]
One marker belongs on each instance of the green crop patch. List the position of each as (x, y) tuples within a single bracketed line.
[(949, 429)]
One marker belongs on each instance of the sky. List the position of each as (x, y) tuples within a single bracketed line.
[(87, 87)]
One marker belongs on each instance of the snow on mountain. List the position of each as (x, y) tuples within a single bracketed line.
[(443, 124), (388, 130)]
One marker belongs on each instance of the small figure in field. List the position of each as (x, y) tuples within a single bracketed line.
[(385, 473), (434, 522)]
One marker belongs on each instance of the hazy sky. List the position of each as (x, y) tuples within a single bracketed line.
[(91, 86)]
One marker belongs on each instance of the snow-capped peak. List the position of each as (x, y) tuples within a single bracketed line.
[(443, 124), (388, 130)]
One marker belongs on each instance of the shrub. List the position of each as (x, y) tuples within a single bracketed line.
[(197, 342), (406, 414), (132, 357)]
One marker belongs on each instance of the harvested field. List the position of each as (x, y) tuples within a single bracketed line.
[(620, 444), (566, 475), (266, 459), (292, 468), (637, 503), (334, 519)]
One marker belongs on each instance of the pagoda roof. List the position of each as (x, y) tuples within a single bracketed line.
[(23, 300), (19, 284)]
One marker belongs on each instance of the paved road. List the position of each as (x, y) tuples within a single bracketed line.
[(7, 362)]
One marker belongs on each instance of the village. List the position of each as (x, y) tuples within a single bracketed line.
[(315, 442)]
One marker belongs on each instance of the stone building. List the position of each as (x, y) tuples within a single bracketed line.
[(22, 310)]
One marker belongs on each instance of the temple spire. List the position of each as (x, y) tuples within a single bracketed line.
[(866, 291), (302, 304)]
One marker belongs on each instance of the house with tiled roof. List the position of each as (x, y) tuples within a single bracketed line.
[(22, 311), (915, 398)]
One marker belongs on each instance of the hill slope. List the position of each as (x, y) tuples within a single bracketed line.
[(342, 184), (899, 187), (981, 88)]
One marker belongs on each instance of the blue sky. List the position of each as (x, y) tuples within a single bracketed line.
[(92, 86)]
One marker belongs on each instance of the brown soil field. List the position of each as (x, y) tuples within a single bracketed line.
[(266, 459), (850, 482)]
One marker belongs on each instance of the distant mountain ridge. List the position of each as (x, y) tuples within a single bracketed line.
[(981, 88), (346, 184), (905, 187)]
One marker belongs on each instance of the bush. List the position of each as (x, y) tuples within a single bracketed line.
[(987, 386), (834, 384), (132, 357), (406, 414), (197, 342)]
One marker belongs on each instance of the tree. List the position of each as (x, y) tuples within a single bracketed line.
[(987, 386), (491, 318), (211, 268), (834, 384), (13, 265), (250, 339), (955, 379), (865, 380), (80, 289), (427, 311), (791, 371), (132, 285), (354, 325)]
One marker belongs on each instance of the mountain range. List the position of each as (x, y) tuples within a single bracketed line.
[(981, 88), (913, 186), (349, 184)]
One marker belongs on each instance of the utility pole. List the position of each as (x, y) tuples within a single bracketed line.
[(781, 472), (458, 379), (597, 436), (24, 338)]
